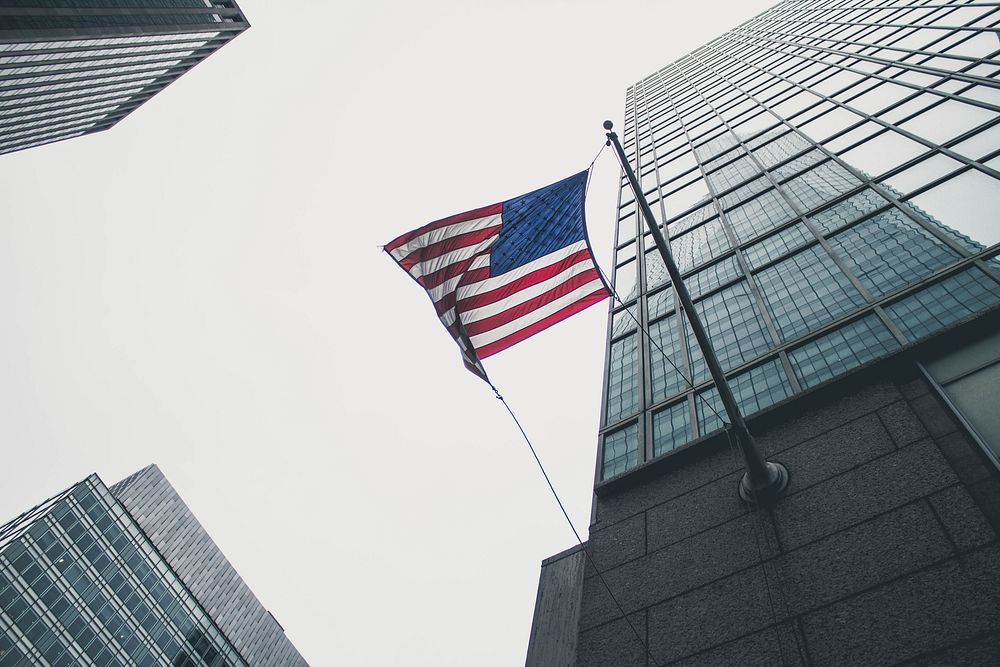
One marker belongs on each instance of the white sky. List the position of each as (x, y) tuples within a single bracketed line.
[(201, 287)]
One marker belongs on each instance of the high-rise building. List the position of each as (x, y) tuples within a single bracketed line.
[(828, 175), (69, 68), (126, 576)]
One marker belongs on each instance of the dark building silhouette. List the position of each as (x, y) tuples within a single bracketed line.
[(69, 68), (127, 576), (828, 178)]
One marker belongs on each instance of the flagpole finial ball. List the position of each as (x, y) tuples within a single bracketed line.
[(608, 125)]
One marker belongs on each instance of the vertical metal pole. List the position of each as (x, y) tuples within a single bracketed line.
[(764, 481)]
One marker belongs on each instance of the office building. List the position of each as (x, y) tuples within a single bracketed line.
[(69, 68), (126, 576), (828, 178)]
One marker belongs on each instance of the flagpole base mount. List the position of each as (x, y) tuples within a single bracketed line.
[(768, 493)]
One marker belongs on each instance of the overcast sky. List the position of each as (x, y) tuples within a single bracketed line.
[(201, 287)]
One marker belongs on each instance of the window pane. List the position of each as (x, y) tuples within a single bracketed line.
[(623, 321), (759, 215), (735, 327), (841, 350), (879, 154), (945, 303), (699, 245), (713, 277), (623, 379), (625, 281), (966, 204), (777, 245), (621, 451), (847, 211), (755, 390), (890, 251), (660, 303), (806, 291), (665, 359), (671, 428), (820, 185)]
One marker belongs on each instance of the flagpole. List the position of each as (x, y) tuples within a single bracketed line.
[(764, 481)]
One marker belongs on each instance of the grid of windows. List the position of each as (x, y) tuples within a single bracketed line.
[(54, 86), (81, 584), (829, 174)]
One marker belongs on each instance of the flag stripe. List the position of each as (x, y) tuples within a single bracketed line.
[(481, 326), (432, 238), (531, 318), (528, 297), (447, 259), (492, 348), (483, 298), (492, 209)]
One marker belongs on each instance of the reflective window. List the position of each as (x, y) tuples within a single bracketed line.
[(621, 451), (623, 379), (713, 277), (944, 303), (777, 245), (665, 359), (735, 327), (889, 251), (671, 428), (623, 321), (806, 291), (844, 213), (755, 390), (966, 204), (841, 350), (820, 185), (700, 245), (759, 215)]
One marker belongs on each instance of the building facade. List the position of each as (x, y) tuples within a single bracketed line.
[(177, 534), (828, 174), (96, 576), (69, 68)]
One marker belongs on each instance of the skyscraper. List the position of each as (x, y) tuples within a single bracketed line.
[(126, 575), (828, 175), (69, 68)]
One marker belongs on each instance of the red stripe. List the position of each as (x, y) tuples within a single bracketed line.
[(492, 209), (527, 280), (445, 303), (434, 279), (435, 250), (541, 325), (471, 276), (521, 309)]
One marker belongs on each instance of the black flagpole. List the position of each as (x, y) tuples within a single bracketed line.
[(764, 481)]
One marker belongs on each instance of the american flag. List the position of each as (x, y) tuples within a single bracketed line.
[(502, 273)]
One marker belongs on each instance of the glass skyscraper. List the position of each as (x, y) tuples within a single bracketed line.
[(829, 177), (126, 576), (69, 68)]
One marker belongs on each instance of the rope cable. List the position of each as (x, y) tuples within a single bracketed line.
[(572, 526)]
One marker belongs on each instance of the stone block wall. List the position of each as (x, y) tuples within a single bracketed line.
[(884, 551)]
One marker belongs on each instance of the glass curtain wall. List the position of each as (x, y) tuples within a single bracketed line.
[(70, 69), (81, 584), (828, 175)]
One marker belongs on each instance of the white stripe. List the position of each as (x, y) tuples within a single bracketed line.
[(448, 286), (493, 335), (526, 294), (521, 271), (447, 317), (429, 266), (442, 233)]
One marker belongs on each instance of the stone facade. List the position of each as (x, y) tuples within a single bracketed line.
[(883, 551)]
